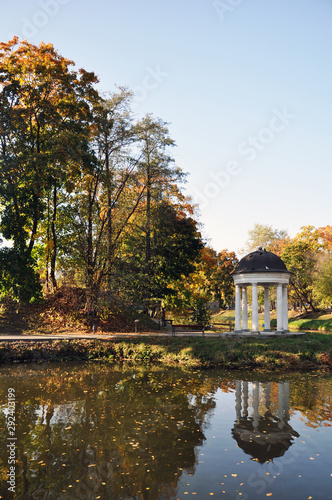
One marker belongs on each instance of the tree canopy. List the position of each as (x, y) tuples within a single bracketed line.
[(88, 195), (93, 197)]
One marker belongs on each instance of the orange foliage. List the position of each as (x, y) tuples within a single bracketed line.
[(325, 233), (278, 246)]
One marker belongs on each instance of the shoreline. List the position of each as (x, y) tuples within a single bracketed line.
[(306, 353)]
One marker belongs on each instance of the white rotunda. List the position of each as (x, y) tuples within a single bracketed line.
[(266, 269)]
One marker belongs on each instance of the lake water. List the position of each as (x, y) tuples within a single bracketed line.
[(93, 431)]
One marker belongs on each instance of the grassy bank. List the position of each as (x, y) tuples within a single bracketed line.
[(311, 352), (315, 321)]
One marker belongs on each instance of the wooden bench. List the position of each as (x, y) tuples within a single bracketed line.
[(197, 328), (230, 326)]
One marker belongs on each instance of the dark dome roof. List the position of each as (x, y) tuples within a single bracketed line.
[(261, 261)]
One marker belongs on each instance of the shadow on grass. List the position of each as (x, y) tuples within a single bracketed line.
[(313, 351)]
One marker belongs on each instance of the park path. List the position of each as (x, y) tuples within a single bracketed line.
[(104, 336)]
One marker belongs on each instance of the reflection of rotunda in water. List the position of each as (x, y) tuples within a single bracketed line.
[(261, 428)]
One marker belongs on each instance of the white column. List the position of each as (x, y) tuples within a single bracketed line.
[(268, 396), (237, 308), (281, 407), (286, 401), (254, 312), (280, 308), (245, 399), (285, 303), (267, 324), (238, 401), (244, 309), (255, 404)]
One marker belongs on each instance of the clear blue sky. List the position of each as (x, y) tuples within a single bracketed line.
[(246, 87)]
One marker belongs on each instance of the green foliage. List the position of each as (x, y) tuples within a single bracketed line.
[(18, 278), (200, 314), (322, 288), (174, 247), (79, 181), (43, 106), (263, 236), (210, 280), (300, 260)]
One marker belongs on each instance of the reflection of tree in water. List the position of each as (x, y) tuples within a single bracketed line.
[(101, 433), (312, 396), (261, 428), (92, 431)]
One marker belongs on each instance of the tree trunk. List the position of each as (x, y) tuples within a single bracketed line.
[(148, 235), (92, 285), (54, 240), (109, 218), (48, 241), (148, 224), (34, 224)]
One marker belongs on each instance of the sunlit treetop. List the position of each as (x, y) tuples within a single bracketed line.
[(43, 69)]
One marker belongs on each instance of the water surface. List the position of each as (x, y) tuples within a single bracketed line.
[(90, 431)]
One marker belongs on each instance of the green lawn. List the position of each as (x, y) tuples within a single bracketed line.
[(316, 321), (312, 351)]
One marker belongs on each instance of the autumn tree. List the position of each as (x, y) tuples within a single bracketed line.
[(84, 227), (300, 257), (266, 237), (160, 178), (112, 133), (226, 263), (174, 248), (191, 295), (325, 233), (84, 190), (210, 280), (44, 109), (322, 285)]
